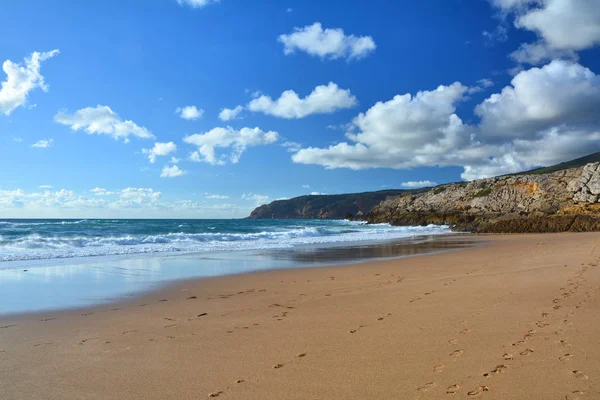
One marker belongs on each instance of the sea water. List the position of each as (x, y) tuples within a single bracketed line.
[(54, 264)]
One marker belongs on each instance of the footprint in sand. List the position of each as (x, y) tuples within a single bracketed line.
[(452, 341), (352, 331), (380, 319), (277, 366), (478, 391), (7, 326), (415, 299), (453, 389), (576, 395), (240, 381), (565, 357), (48, 319), (507, 356), (580, 375), (518, 342), (439, 368), (216, 394), (426, 387), (465, 331), (526, 352), (301, 355), (499, 369), (456, 353)]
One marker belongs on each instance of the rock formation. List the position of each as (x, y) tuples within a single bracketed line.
[(566, 200)]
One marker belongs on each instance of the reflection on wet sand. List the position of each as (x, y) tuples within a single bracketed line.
[(93, 281), (404, 248)]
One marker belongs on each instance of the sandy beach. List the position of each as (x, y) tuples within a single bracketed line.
[(515, 318)]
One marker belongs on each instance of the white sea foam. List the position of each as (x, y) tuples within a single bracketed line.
[(34, 246)]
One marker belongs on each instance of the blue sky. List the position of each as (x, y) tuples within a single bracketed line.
[(367, 112)]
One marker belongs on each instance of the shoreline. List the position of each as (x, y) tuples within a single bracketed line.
[(309, 256), (497, 320)]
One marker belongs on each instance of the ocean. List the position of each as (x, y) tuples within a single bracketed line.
[(22, 240), (59, 264)]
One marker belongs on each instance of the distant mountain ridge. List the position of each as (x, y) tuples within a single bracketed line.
[(336, 206)]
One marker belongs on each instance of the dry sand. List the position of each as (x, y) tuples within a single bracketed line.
[(518, 319)]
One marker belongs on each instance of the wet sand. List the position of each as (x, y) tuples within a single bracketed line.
[(517, 318)]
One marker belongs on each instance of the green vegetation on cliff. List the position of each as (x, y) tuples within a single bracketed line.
[(335, 206)]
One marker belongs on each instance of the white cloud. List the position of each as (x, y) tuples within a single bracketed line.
[(237, 140), (540, 98), (45, 186), (500, 34), (175, 160), (417, 184), (227, 114), (102, 192), (306, 186), (196, 3), (317, 194), (172, 171), (190, 113), (126, 203), (563, 27), (21, 79), (160, 149), (102, 120), (547, 115), (291, 147), (399, 133), (322, 100), (482, 84), (216, 196), (43, 144), (327, 43), (258, 199), (17, 139)]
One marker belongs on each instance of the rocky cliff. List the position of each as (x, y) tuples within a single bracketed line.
[(338, 206), (566, 200)]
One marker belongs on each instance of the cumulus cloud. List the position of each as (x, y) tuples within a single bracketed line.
[(101, 203), (172, 171), (258, 199), (227, 138), (21, 79), (216, 196), (102, 192), (227, 114), (45, 186), (291, 147), (417, 184), (557, 94), (103, 121), (196, 3), (190, 113), (160, 149), (327, 43), (322, 100), (43, 143), (545, 116), (399, 133), (563, 27)]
